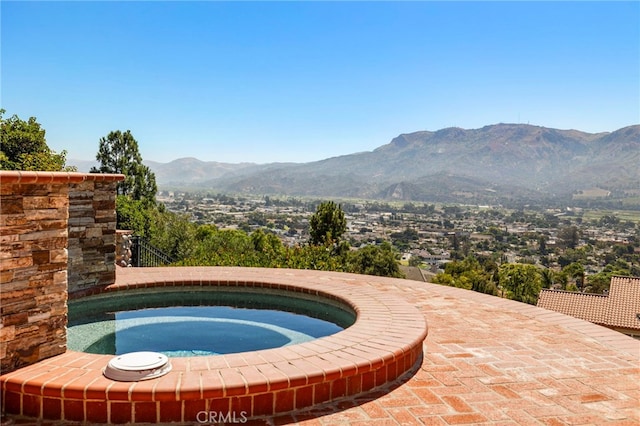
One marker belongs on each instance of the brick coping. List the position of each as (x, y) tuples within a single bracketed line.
[(28, 177), (383, 344), (487, 361)]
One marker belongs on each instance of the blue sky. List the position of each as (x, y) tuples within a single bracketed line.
[(303, 81)]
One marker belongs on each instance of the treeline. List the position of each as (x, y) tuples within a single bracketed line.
[(521, 281), (191, 244), (24, 147)]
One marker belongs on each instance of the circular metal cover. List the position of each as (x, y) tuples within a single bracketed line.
[(135, 366)]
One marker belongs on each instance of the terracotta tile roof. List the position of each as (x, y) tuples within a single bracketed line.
[(412, 273), (619, 309)]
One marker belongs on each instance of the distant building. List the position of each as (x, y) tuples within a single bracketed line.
[(618, 310), (436, 259)]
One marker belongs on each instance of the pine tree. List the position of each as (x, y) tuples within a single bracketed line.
[(118, 153)]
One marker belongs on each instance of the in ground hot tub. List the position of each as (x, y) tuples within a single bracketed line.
[(201, 321), (383, 344)]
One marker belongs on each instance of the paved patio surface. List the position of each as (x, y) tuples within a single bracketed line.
[(498, 362), (491, 361)]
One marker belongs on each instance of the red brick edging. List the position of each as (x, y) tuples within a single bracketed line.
[(384, 343)]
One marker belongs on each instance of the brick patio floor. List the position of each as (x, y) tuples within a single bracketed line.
[(496, 362)]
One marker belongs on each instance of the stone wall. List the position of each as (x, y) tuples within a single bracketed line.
[(92, 236), (33, 280), (123, 247), (38, 254)]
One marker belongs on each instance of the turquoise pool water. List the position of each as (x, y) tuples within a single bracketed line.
[(197, 323)]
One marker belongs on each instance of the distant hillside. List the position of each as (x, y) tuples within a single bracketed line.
[(180, 171), (82, 165), (494, 162), (502, 160), (190, 170)]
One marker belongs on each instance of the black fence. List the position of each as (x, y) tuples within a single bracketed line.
[(145, 254)]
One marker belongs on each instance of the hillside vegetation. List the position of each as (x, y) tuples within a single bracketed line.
[(491, 164)]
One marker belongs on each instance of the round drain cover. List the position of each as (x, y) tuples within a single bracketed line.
[(137, 366)]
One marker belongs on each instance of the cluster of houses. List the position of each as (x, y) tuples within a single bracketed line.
[(427, 237)]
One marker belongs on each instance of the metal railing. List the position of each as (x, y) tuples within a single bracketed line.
[(145, 254)]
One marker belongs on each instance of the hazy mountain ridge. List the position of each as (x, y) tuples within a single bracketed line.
[(509, 159), (184, 170), (501, 160), (193, 170)]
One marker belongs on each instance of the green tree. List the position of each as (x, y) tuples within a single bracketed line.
[(134, 215), (118, 153), (469, 274), (481, 282), (569, 236), (572, 256), (562, 279), (575, 270), (327, 225), (227, 247), (444, 279), (375, 260), (174, 234), (547, 277), (269, 248), (542, 245), (23, 147), (521, 281), (315, 257), (599, 283)]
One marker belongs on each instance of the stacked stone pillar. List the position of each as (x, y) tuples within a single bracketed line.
[(92, 236), (124, 243), (57, 233)]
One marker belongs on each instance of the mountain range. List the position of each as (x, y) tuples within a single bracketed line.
[(501, 161)]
